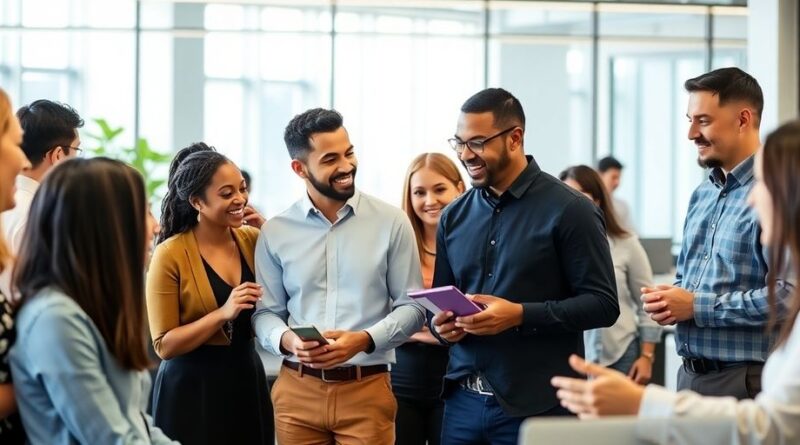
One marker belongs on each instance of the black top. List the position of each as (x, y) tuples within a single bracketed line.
[(239, 331), (541, 244), (11, 431)]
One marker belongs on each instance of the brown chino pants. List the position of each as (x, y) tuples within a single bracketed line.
[(309, 411)]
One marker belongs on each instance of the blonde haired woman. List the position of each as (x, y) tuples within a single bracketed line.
[(12, 161), (432, 182)]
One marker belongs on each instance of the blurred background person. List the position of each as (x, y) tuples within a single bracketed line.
[(12, 162), (610, 170), (80, 360), (629, 345), (432, 182), (50, 135)]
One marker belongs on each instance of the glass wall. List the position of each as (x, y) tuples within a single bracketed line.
[(594, 78)]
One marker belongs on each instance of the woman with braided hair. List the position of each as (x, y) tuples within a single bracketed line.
[(210, 387)]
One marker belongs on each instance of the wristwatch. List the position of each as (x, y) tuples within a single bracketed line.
[(649, 356)]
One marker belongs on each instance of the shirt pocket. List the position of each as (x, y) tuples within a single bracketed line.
[(735, 240)]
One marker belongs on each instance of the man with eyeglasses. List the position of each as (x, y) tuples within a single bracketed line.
[(50, 136), (533, 252)]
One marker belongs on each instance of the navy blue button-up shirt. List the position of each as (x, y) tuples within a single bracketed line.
[(540, 244)]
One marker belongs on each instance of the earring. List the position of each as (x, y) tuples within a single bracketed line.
[(198, 216)]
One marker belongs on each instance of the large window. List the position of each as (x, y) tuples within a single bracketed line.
[(594, 78)]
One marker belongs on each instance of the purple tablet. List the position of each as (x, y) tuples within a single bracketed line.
[(445, 298)]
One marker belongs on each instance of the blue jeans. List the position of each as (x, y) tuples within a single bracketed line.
[(475, 419)]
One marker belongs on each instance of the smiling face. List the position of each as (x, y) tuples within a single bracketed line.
[(224, 198), (430, 193), (331, 165), (490, 167), (716, 130), (12, 161)]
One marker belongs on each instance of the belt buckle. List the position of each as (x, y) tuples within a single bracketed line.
[(325, 379)]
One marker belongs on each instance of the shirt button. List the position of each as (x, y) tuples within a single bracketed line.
[(724, 195), (496, 210), (705, 257), (714, 225), (490, 274), (492, 242)]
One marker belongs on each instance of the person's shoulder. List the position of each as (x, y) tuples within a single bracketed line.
[(373, 206), (47, 308), (289, 216), (248, 233)]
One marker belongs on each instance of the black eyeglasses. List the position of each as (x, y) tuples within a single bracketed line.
[(79, 150), (475, 145)]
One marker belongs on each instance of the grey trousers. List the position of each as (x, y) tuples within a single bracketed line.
[(742, 382)]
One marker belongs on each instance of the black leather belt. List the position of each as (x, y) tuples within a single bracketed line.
[(341, 374), (704, 365)]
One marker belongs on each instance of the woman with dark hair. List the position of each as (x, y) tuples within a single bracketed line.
[(629, 345), (80, 360), (201, 290), (773, 417), (432, 182), (12, 161)]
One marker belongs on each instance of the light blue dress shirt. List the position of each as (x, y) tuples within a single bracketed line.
[(69, 387), (351, 275)]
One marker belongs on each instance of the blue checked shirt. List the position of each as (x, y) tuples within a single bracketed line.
[(723, 262)]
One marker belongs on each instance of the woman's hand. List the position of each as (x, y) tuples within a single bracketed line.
[(641, 371), (253, 218), (607, 393), (242, 297)]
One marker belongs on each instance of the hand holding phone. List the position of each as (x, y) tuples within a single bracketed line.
[(309, 333)]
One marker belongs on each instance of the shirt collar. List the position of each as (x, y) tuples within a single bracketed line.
[(523, 181), (27, 184), (740, 175), (308, 207)]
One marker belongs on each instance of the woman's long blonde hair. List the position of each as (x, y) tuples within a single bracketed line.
[(6, 118), (442, 165)]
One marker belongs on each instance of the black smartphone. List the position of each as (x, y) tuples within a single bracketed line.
[(309, 333)]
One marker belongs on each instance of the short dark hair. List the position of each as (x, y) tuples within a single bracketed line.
[(302, 126), (506, 109), (607, 163), (730, 84), (47, 125)]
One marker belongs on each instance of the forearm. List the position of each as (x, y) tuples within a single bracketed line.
[(397, 327), (186, 338), (8, 402), (740, 308)]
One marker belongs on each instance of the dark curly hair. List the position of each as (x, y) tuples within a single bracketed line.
[(190, 174)]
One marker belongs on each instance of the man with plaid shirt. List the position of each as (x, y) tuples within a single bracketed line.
[(719, 300)]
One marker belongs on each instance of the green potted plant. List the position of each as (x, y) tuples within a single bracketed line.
[(150, 163)]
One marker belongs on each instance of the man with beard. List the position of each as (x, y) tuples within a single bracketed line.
[(533, 252), (719, 299), (341, 261)]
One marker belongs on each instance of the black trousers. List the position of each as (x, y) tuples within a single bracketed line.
[(742, 382), (418, 422)]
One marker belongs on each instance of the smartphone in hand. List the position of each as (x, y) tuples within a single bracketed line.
[(309, 333)]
